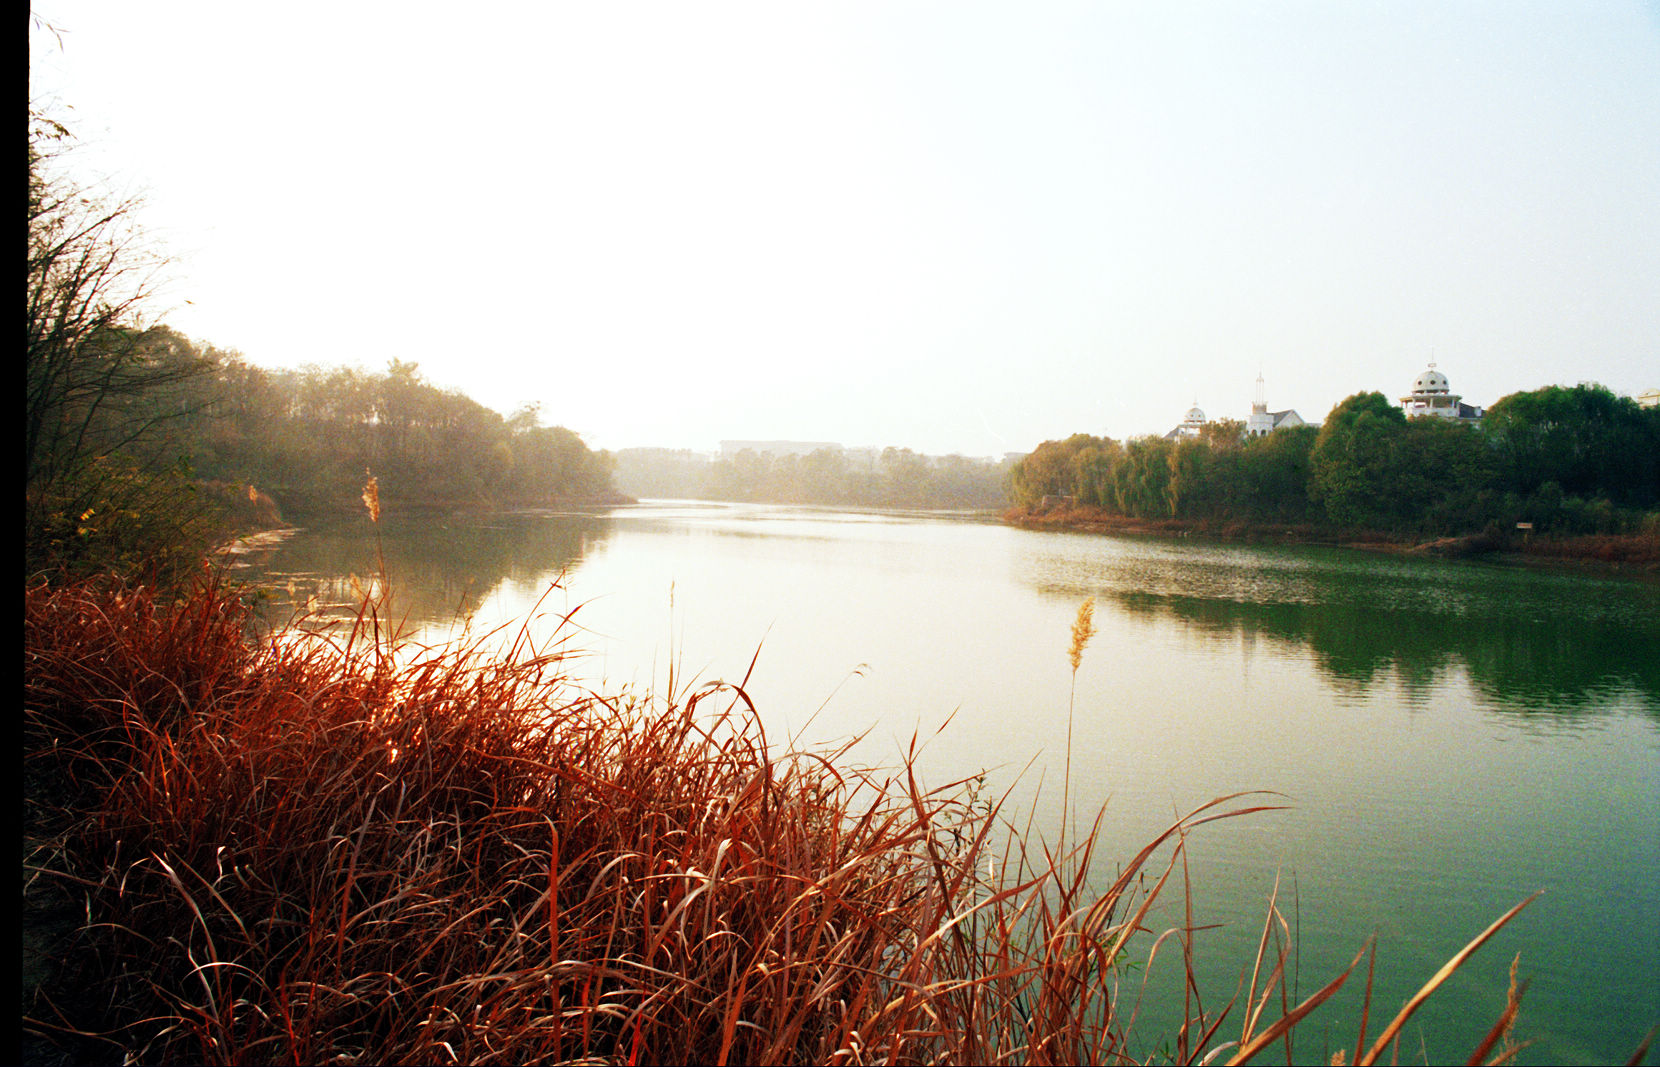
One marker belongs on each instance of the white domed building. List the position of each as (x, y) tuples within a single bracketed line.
[(1432, 397), (1190, 425)]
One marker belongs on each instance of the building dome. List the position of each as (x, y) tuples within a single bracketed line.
[(1431, 381), (1191, 425), (1431, 396)]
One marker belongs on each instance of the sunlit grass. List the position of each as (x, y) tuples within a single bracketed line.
[(335, 847)]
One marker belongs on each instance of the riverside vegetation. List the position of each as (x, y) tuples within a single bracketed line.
[(143, 447), (330, 845), (1574, 466), (892, 478)]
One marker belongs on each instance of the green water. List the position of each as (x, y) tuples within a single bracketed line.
[(1448, 738)]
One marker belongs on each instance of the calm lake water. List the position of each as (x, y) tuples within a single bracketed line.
[(1449, 738)]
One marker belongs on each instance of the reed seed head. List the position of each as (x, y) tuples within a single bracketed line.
[(1083, 628), (371, 497)]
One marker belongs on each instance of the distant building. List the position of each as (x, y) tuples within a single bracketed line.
[(1649, 398), (864, 458), (729, 449), (1432, 397), (1262, 421), (1189, 426)]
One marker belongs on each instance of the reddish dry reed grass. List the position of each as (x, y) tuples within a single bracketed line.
[(1604, 548), (316, 851)]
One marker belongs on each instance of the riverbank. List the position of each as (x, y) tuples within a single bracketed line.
[(1639, 553), (277, 525), (303, 510)]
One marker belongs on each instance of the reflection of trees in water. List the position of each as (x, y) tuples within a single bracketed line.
[(439, 568), (1522, 664)]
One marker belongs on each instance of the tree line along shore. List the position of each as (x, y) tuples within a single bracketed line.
[(139, 441), (1556, 472)]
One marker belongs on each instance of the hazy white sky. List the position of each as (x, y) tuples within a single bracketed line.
[(949, 226)]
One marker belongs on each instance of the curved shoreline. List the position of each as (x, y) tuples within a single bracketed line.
[(1631, 554)]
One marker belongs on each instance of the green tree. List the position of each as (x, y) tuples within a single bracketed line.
[(1223, 433), (1586, 439), (823, 476), (1442, 477), (1351, 468), (1141, 480), (1052, 469), (1273, 475), (1092, 467), (1192, 489), (904, 475)]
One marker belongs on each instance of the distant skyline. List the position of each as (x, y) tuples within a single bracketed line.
[(952, 227)]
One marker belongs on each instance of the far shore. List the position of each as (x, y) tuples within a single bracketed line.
[(299, 512), (1621, 553), (1613, 553)]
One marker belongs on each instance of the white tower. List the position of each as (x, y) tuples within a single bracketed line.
[(1260, 422)]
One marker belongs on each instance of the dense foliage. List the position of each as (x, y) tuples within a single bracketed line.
[(898, 477), (96, 391), (306, 437), (141, 446), (1567, 460), (1260, 480)]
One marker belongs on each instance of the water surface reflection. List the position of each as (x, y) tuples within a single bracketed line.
[(1459, 734), (1534, 643), (440, 567)]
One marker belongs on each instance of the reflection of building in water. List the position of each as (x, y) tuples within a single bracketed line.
[(1262, 421), (1190, 426), (1432, 397)]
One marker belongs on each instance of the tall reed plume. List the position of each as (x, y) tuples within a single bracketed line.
[(1083, 628)]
